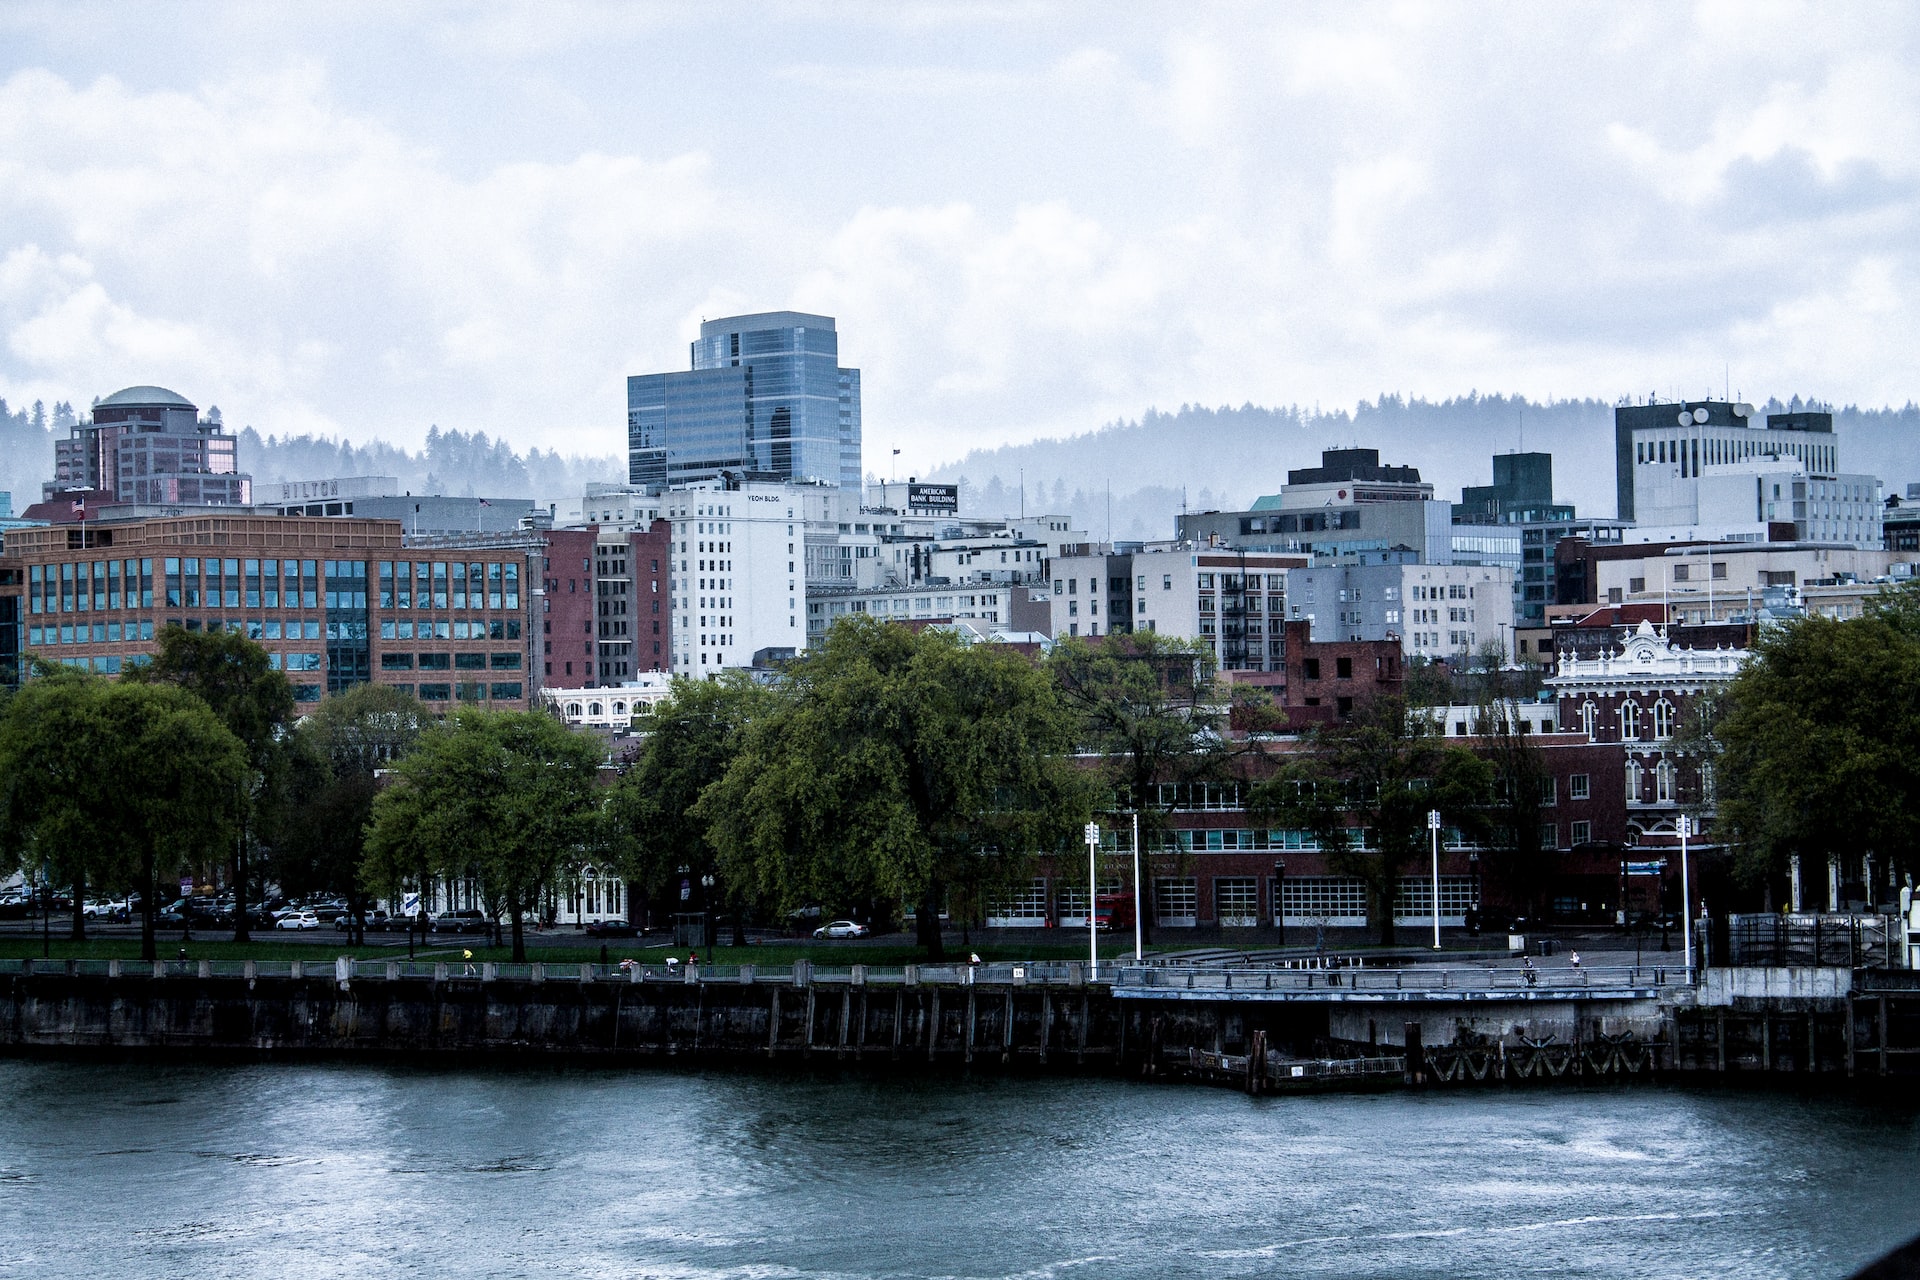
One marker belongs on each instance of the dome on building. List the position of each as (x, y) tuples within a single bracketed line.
[(144, 397)]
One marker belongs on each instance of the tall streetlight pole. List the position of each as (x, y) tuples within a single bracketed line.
[(1433, 829), (1093, 885), (1139, 956), (1684, 825)]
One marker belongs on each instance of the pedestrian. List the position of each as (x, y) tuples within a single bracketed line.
[(1526, 964), (466, 958), (673, 962), (973, 957), (1576, 959), (693, 957)]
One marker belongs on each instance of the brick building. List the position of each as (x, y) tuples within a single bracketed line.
[(335, 602)]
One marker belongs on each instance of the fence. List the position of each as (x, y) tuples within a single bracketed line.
[(1832, 941)]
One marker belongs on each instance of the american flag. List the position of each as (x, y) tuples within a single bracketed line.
[(80, 505)]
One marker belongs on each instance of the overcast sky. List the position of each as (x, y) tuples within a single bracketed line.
[(1029, 219)]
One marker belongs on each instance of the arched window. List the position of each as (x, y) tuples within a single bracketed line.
[(593, 708), (1589, 719), (1663, 782), (1633, 782), (573, 709), (619, 708), (1629, 720), (1663, 719)]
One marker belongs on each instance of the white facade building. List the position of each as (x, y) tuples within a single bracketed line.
[(1450, 611), (739, 589), (1235, 601), (612, 707)]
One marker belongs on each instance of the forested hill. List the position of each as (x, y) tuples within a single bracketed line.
[(459, 463), (1225, 458)]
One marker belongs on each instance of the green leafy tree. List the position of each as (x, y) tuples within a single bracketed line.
[(1517, 863), (1815, 745), (113, 778), (655, 837), (232, 675), (1364, 788), (898, 765), (502, 796), (334, 758), (1149, 709)]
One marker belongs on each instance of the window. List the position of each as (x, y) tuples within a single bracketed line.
[(506, 690), (1025, 906), (1176, 901), (506, 662), (1589, 719), (1343, 668), (1663, 782), (1582, 833), (1633, 783), (396, 662), (1310, 668), (1548, 791), (1334, 900), (1236, 901), (1663, 719), (435, 692), (1166, 582), (1549, 835), (470, 661), (1682, 572), (435, 662), (1636, 585), (1579, 786), (1629, 719)]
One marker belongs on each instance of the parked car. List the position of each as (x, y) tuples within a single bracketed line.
[(612, 929), (468, 921), (842, 929), (298, 920), (376, 921)]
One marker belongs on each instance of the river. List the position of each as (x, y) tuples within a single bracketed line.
[(363, 1171)]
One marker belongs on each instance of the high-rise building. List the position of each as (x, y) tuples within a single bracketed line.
[(148, 445), (766, 397), (1656, 444)]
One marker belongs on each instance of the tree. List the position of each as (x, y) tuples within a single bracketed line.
[(320, 824), (1517, 864), (898, 764), (502, 796), (1363, 788), (1148, 707), (1815, 746), (691, 738), (233, 676), (124, 776)]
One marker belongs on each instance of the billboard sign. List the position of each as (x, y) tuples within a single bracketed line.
[(939, 499)]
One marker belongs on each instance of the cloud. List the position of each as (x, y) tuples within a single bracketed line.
[(1027, 218)]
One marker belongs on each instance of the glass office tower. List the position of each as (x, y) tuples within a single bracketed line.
[(766, 394)]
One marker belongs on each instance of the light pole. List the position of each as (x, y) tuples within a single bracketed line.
[(1280, 897), (1684, 825), (1139, 956), (1093, 916), (1433, 829)]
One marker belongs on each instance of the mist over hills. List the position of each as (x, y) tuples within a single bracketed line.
[(1224, 458)]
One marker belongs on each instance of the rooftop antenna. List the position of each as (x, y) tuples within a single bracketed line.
[(1023, 493)]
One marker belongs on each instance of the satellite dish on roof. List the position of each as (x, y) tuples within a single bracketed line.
[(1685, 419), (1700, 415), (1744, 410)]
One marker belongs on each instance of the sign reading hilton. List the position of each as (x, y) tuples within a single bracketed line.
[(934, 499)]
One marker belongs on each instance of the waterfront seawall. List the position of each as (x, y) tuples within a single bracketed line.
[(1041, 1018)]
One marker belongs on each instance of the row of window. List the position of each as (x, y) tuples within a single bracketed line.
[(441, 584), (1240, 901), (85, 633), (466, 691), (503, 661), (450, 629), (1662, 720)]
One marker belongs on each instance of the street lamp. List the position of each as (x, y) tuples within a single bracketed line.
[(1092, 833), (1433, 829), (1684, 825), (1138, 956), (1280, 897)]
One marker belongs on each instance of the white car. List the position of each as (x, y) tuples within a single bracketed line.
[(842, 929), (298, 920)]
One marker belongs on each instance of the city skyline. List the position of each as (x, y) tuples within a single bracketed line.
[(364, 222)]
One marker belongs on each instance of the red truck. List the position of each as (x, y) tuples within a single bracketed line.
[(1113, 911)]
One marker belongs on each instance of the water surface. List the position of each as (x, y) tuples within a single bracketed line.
[(362, 1171)]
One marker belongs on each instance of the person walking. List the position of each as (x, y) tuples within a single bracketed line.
[(1576, 959), (1532, 974)]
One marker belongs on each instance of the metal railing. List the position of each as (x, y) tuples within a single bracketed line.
[(1454, 980)]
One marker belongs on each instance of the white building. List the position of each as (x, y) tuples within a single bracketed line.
[(738, 584), (1709, 582), (1450, 611), (613, 707), (1235, 601)]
